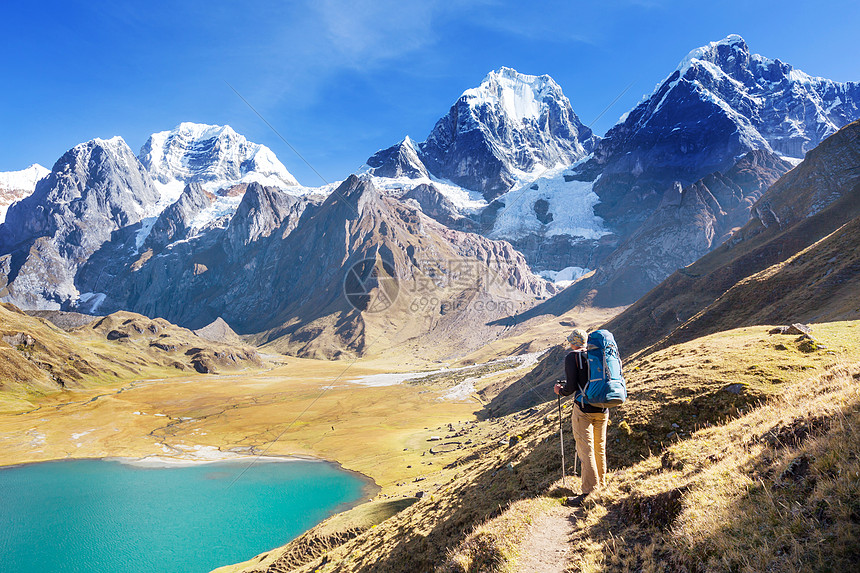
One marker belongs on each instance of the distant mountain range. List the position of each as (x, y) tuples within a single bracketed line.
[(203, 224), (720, 103)]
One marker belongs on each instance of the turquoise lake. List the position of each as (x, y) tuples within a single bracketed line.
[(111, 517)]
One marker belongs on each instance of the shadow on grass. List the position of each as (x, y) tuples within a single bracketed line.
[(801, 512)]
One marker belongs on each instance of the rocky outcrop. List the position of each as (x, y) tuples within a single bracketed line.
[(94, 190), (400, 160), (176, 221), (435, 205)]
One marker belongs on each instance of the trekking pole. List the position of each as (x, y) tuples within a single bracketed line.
[(561, 441)]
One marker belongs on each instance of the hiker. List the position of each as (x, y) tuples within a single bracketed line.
[(589, 422)]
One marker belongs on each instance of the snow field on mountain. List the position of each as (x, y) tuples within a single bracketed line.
[(23, 179), (518, 95), (221, 207), (466, 201), (571, 204)]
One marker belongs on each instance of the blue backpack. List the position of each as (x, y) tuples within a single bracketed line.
[(606, 387)]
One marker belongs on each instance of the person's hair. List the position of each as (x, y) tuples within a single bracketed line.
[(577, 338)]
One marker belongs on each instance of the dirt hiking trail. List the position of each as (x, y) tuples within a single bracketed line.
[(546, 546)]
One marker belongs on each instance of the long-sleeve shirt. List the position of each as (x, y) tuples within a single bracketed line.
[(576, 371)]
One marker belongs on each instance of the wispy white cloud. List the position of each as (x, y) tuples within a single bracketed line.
[(367, 32)]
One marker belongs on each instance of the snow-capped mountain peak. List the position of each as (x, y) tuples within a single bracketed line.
[(718, 53), (213, 155), (511, 124), (750, 102), (15, 185), (774, 105), (519, 96), (400, 160), (25, 179)]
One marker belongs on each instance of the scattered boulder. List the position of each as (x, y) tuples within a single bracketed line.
[(793, 329), (735, 388), (18, 339)]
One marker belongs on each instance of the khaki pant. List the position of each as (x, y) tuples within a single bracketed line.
[(589, 431)]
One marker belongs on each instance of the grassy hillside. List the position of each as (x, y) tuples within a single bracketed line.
[(817, 284), (773, 490), (39, 358), (474, 512)]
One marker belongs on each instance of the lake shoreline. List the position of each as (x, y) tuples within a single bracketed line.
[(370, 489)]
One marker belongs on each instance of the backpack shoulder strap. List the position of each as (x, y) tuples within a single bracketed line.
[(582, 363)]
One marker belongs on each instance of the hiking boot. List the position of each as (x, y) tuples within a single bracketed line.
[(575, 501)]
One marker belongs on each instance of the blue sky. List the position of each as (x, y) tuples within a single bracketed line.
[(341, 79)]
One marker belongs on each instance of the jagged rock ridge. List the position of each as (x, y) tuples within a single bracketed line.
[(720, 103), (286, 285)]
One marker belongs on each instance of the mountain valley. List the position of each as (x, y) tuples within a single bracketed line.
[(193, 302)]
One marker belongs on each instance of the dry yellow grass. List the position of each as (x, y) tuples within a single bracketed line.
[(377, 431), (775, 490), (475, 510)]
